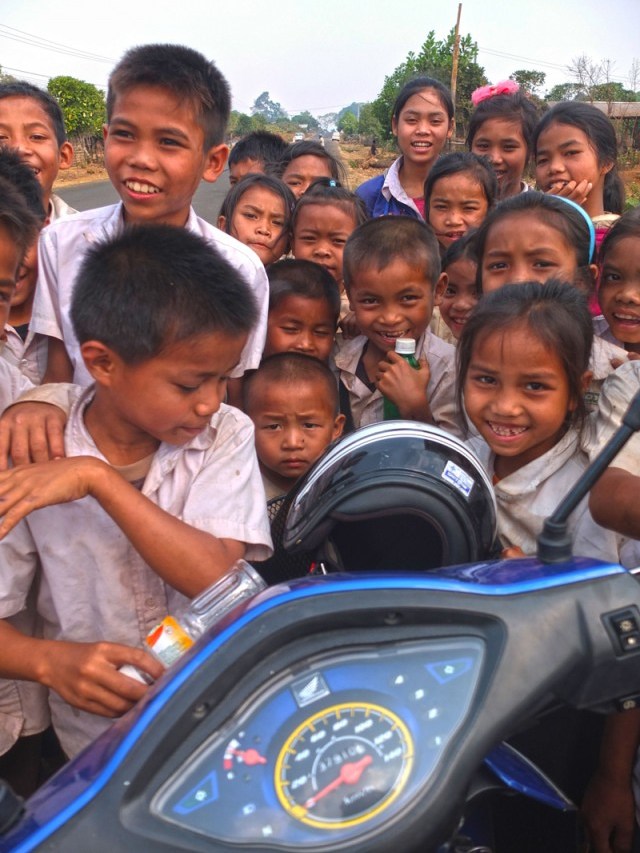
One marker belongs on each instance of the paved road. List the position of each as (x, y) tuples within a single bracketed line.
[(207, 199)]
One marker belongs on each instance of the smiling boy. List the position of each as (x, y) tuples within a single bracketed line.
[(391, 270), (167, 109)]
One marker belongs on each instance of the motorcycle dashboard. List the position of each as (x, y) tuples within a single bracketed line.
[(330, 750)]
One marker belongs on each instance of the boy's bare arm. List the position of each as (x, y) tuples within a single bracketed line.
[(84, 674), (614, 502), (186, 558), (406, 387), (59, 367)]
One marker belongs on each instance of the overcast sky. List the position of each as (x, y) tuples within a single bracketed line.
[(313, 54)]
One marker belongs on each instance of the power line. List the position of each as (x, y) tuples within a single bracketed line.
[(46, 44)]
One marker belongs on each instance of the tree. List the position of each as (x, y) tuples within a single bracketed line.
[(369, 124), (6, 78), (563, 92), (529, 81), (82, 104), (306, 118), (435, 60), (270, 110), (328, 121), (348, 124)]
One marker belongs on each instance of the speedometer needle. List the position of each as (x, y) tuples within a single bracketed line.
[(349, 774), (249, 756)]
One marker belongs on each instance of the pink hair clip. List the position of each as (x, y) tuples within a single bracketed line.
[(504, 87)]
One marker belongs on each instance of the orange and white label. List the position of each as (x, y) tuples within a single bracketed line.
[(168, 641)]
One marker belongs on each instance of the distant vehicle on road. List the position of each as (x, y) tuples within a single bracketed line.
[(335, 136), (298, 137)]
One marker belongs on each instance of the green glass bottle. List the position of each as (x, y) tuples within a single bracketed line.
[(406, 347)]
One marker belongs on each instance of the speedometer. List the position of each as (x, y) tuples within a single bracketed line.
[(343, 765)]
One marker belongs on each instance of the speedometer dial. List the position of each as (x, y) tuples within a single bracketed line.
[(343, 765)]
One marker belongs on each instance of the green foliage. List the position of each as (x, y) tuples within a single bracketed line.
[(348, 124), (563, 92), (6, 78), (306, 118), (271, 111), (435, 59), (82, 105), (529, 81), (611, 92), (369, 124)]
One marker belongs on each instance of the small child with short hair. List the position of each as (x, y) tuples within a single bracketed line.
[(392, 269), (457, 293), (304, 307), (160, 492), (292, 400), (253, 153), (31, 121), (303, 163)]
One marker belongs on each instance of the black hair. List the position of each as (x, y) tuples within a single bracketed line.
[(600, 132), (515, 108), (465, 247), (309, 147), (381, 241), (458, 162), (572, 223), (627, 226), (556, 314), (22, 177), (327, 192), (184, 72), (268, 182), (22, 89), (290, 368), (155, 285), (305, 279), (260, 145), (417, 84), (15, 215)]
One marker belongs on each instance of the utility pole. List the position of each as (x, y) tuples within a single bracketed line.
[(456, 53)]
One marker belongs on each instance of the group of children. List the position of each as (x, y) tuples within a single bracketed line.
[(147, 322)]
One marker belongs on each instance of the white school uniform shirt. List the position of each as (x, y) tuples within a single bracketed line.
[(61, 251), (367, 406), (93, 584), (526, 497)]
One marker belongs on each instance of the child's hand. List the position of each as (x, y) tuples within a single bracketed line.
[(631, 356), (29, 487), (405, 386), (86, 675), (349, 326), (608, 812), (31, 432), (574, 191), (512, 553)]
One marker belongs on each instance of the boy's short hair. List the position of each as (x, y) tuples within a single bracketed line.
[(22, 177), (290, 368), (22, 89), (381, 241), (16, 217), (156, 285), (293, 277), (260, 145), (184, 72)]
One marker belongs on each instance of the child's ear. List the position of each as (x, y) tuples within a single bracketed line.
[(585, 382), (338, 426), (65, 155), (221, 223), (215, 161), (441, 286), (100, 360), (452, 127)]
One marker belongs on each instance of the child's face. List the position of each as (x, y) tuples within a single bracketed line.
[(239, 170), (563, 154), (9, 262), (522, 247), (619, 293), (303, 171), (154, 154), (516, 394), (502, 142), (170, 397), (299, 324), (422, 128), (22, 300), (25, 125), (294, 422), (457, 294), (457, 203), (258, 221), (321, 230), (391, 303)]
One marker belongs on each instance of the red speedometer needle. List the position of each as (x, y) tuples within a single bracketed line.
[(249, 756), (349, 775)]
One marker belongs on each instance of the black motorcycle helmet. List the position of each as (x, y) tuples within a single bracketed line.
[(393, 495)]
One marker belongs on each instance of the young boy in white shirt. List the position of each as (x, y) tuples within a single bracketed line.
[(391, 271), (160, 492)]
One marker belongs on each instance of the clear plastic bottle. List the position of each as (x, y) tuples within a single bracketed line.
[(175, 634), (406, 347)]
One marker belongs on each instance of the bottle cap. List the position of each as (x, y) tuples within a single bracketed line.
[(405, 346)]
